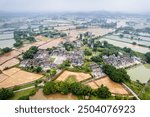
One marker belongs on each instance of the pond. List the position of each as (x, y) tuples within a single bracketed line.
[(140, 72)]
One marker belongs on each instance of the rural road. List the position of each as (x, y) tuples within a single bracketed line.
[(134, 94)]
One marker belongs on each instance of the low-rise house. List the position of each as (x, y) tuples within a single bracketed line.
[(97, 71), (121, 61)]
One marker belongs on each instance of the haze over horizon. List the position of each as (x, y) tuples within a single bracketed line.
[(125, 6)]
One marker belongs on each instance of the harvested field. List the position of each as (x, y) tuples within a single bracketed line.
[(12, 71), (18, 77), (99, 31), (3, 77), (79, 76), (114, 87), (96, 31), (42, 38), (9, 64), (27, 46), (51, 44), (67, 27), (9, 56), (40, 96), (93, 85)]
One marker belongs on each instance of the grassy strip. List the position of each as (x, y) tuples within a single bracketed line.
[(22, 93)]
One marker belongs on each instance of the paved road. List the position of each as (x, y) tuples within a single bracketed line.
[(24, 89), (134, 94)]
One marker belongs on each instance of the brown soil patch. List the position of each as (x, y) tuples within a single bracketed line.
[(72, 34), (9, 56), (3, 77), (42, 38), (40, 96), (93, 85), (52, 43), (67, 27), (18, 77), (9, 63), (12, 71), (79, 76), (114, 87), (27, 46)]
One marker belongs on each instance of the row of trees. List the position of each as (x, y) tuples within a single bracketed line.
[(147, 55), (5, 50), (117, 75), (6, 94), (68, 46), (76, 89), (21, 36)]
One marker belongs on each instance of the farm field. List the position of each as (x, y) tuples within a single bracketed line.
[(52, 43), (96, 31), (67, 27), (8, 56), (40, 96), (3, 77), (79, 76), (17, 77), (114, 88), (42, 38), (9, 64), (27, 46), (123, 44), (93, 85)]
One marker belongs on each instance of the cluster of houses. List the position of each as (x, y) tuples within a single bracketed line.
[(97, 71), (43, 58), (121, 61), (76, 57)]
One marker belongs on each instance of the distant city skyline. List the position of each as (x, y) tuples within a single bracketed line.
[(125, 6)]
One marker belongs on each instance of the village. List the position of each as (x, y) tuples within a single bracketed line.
[(66, 52)]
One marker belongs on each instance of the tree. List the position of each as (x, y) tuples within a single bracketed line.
[(29, 54), (105, 43), (97, 59), (49, 88), (5, 94), (79, 89), (38, 69), (103, 92), (121, 36), (117, 75), (87, 52), (65, 64), (68, 46), (18, 44), (53, 72), (31, 39), (6, 50), (134, 43), (148, 57)]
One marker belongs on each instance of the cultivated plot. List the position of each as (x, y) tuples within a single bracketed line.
[(9, 56), (52, 43), (114, 87), (9, 64), (18, 77), (79, 76)]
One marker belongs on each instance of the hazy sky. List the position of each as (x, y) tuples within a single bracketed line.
[(133, 6)]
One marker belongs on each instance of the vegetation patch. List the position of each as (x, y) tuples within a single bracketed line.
[(71, 79)]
